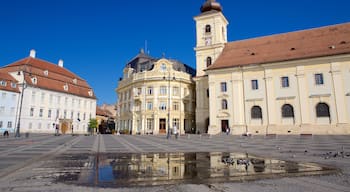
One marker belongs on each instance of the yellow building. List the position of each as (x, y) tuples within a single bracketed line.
[(291, 83), (155, 95)]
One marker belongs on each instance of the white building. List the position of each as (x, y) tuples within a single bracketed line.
[(9, 94), (52, 96)]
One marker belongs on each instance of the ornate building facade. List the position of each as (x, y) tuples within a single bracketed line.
[(154, 96), (291, 83)]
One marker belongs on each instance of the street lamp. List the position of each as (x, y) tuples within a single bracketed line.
[(20, 108)]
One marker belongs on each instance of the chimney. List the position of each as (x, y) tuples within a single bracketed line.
[(32, 53), (60, 63)]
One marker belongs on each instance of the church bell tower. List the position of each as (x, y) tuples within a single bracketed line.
[(211, 36)]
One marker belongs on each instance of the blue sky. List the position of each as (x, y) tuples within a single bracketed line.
[(96, 38)]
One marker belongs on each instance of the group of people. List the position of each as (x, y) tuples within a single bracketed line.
[(174, 132)]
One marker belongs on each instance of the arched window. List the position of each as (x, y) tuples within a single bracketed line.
[(287, 110), (224, 104), (322, 110), (207, 29), (256, 112), (209, 60)]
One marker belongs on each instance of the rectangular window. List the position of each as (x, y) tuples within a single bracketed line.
[(64, 114), (71, 115), (285, 81), (9, 124), (33, 96), (319, 79), (65, 101), (176, 123), (31, 112), (149, 125), (42, 97), (51, 99), (255, 84), (175, 106), (0, 124), (2, 109), (176, 91), (162, 106), (3, 83), (84, 117), (150, 90), (41, 111), (57, 113), (149, 106), (3, 96), (163, 90), (223, 86), (49, 113)]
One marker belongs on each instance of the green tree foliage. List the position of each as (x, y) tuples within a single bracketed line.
[(93, 123)]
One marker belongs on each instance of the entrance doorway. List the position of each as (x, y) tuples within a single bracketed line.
[(224, 125), (162, 126)]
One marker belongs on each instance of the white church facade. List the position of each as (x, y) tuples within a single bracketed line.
[(291, 83)]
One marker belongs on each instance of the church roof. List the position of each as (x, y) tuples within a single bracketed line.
[(312, 43), (50, 76)]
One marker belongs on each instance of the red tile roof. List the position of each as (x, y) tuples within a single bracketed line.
[(318, 42), (55, 79), (8, 79)]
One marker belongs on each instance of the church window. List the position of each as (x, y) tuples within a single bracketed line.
[(285, 81), (207, 28), (287, 110), (223, 86), (209, 61), (319, 79), (322, 110), (255, 84), (256, 112)]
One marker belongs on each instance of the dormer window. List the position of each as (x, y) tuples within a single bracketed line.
[(34, 80), (46, 72), (13, 85), (3, 83), (75, 81), (207, 29), (65, 87), (90, 93)]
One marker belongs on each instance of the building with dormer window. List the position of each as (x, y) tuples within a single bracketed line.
[(52, 96)]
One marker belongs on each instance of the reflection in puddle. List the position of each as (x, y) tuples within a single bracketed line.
[(116, 170)]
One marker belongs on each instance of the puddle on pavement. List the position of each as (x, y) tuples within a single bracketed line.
[(129, 170)]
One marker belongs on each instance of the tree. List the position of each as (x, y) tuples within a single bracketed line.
[(92, 124)]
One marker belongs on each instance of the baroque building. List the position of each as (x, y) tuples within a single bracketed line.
[(50, 96), (154, 95), (290, 83)]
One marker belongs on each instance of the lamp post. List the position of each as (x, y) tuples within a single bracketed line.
[(18, 134)]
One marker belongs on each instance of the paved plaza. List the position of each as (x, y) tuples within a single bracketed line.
[(26, 163)]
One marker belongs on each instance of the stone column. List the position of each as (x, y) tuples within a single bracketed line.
[(338, 94), (303, 96)]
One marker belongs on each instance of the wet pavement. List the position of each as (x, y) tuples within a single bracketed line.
[(190, 163)]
